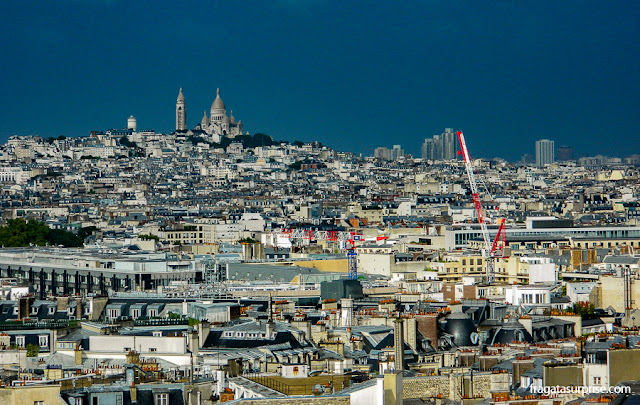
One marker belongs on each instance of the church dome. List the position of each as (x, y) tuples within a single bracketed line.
[(218, 104), (180, 96), (232, 119)]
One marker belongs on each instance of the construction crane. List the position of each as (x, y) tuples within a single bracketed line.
[(490, 249)]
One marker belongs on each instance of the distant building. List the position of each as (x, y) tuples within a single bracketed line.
[(440, 147), (396, 152), (565, 153), (545, 152), (382, 153)]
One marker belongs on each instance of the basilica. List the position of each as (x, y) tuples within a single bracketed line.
[(215, 126)]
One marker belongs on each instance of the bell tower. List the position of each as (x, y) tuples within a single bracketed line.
[(181, 113)]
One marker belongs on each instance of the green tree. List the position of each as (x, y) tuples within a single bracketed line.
[(124, 141), (32, 350), (295, 165), (21, 233)]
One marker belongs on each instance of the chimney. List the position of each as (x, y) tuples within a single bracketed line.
[(428, 327), (398, 343), (63, 303), (392, 384), (194, 342), (79, 309), (134, 394), (270, 328), (579, 345), (78, 355), (204, 327)]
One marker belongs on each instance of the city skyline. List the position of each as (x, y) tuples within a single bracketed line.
[(499, 74)]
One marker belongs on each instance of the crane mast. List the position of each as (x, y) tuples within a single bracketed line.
[(488, 248)]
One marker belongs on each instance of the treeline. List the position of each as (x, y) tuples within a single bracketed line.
[(247, 141), (21, 233)]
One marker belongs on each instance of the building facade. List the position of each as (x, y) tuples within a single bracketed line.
[(545, 152)]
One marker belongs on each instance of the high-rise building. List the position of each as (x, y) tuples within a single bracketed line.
[(440, 147), (427, 149), (565, 153), (382, 153), (181, 113), (397, 152), (545, 152), (448, 144)]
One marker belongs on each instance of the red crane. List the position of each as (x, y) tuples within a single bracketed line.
[(489, 251)]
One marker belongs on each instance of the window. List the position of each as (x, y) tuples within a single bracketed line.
[(153, 349), (38, 402), (43, 340), (20, 341), (596, 380), (162, 399), (157, 333), (591, 358)]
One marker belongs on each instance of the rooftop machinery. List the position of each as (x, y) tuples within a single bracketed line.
[(490, 249), (333, 236)]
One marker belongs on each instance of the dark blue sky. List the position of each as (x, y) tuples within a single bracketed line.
[(351, 74)]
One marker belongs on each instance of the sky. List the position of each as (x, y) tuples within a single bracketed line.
[(353, 75)]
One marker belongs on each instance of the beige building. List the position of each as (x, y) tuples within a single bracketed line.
[(609, 292), (31, 395)]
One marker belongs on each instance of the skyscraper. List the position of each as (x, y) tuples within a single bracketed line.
[(565, 153), (181, 113), (448, 144), (544, 152), (427, 149), (440, 147), (397, 152)]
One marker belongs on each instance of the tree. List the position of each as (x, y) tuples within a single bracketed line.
[(295, 165), (32, 350), (584, 309), (247, 240), (124, 141), (21, 233)]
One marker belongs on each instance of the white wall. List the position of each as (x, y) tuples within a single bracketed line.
[(373, 395), (142, 344)]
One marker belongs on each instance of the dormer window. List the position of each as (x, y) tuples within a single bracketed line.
[(52, 310), (20, 341), (43, 340)]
